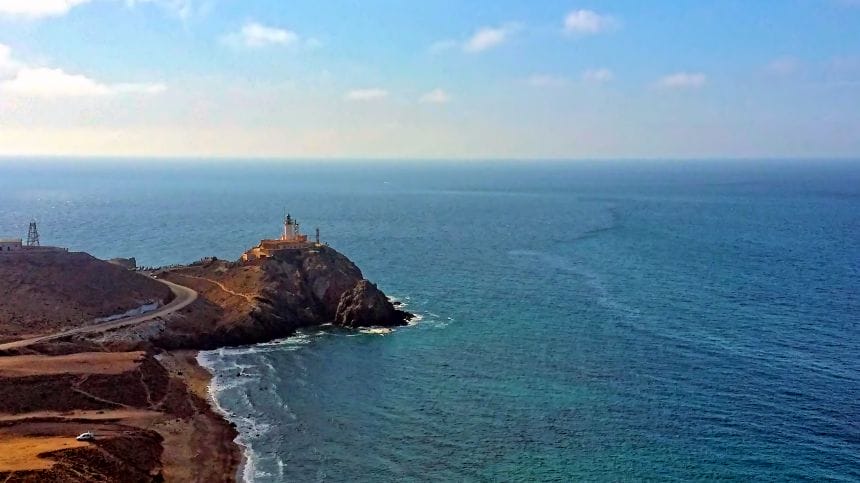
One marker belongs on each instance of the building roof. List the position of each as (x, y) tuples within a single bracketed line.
[(9, 240)]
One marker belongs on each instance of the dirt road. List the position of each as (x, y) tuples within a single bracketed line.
[(183, 296)]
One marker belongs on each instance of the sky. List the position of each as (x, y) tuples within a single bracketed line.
[(432, 79)]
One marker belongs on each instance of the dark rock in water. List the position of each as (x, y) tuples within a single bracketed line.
[(365, 305)]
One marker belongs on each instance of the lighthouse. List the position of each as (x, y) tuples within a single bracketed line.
[(291, 231), (291, 239)]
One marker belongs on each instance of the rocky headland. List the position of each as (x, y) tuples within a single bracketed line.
[(135, 382), (242, 303)]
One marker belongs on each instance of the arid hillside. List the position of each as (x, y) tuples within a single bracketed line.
[(51, 291), (135, 403)]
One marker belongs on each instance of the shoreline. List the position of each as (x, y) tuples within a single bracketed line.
[(156, 366), (225, 456), (212, 400), (244, 471)]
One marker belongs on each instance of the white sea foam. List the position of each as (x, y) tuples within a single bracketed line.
[(206, 360), (222, 363), (415, 320), (281, 466)]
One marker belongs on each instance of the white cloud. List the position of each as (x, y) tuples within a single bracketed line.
[(598, 76), (546, 80), (484, 38), (371, 94), (19, 79), (34, 9), (256, 35), (588, 22), (138, 88), (683, 80), (436, 96), (488, 37), (183, 9), (783, 66), (443, 46), (8, 65), (38, 8), (54, 83)]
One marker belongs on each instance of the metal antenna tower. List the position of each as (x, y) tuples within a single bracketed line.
[(33, 235)]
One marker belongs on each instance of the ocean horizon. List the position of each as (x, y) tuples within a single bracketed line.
[(589, 320)]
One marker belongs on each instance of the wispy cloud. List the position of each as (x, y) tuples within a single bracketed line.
[(483, 39), (8, 65), (256, 35), (370, 94), (486, 38), (436, 96), (546, 80), (683, 80), (598, 76), (54, 83), (783, 66), (184, 9), (50, 83), (37, 9), (443, 46), (588, 22), (33, 9)]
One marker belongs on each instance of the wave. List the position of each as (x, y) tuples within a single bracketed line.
[(229, 376), (205, 359)]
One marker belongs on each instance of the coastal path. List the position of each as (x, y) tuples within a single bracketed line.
[(249, 298), (183, 296)]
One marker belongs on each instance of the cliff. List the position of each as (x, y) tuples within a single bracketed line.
[(244, 303)]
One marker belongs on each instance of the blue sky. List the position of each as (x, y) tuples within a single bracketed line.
[(434, 79)]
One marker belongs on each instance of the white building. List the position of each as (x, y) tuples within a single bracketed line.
[(10, 245)]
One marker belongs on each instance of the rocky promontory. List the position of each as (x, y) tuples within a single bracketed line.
[(266, 299), (86, 345)]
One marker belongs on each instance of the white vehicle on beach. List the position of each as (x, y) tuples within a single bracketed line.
[(88, 436)]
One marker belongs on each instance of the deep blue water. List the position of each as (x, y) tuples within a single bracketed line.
[(580, 321)]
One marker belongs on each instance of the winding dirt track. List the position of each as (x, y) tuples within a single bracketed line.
[(183, 296), (249, 298)]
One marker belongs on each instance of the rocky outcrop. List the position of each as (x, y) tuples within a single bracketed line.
[(365, 305), (244, 303)]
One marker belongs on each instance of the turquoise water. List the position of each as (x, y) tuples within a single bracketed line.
[(579, 321)]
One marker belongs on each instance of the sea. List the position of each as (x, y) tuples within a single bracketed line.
[(635, 320)]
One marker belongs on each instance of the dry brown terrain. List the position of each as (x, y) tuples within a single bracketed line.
[(50, 291), (135, 382), (149, 423)]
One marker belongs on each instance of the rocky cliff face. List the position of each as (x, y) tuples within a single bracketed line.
[(271, 298)]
